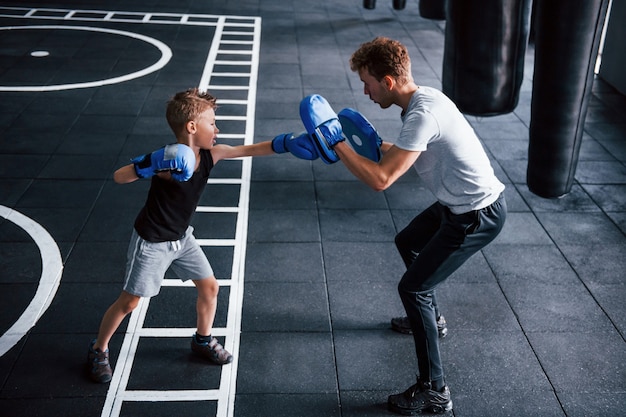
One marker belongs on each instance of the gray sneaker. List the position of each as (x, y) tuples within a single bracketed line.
[(98, 363), (402, 325), (212, 350)]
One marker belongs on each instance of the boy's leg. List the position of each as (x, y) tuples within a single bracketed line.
[(190, 264), (98, 354), (203, 343), (206, 304), (113, 317)]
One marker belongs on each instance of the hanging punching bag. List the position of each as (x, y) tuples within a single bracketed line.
[(369, 4), (483, 61), (433, 9), (567, 38)]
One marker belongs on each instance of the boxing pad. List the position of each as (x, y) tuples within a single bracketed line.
[(176, 157), (484, 49), (433, 9), (399, 4), (361, 134), (565, 56), (300, 146), (322, 124)]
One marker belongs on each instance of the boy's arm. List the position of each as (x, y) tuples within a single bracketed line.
[(221, 151), (175, 161), (125, 174)]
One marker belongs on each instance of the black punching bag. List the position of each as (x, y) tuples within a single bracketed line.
[(483, 61), (369, 4), (433, 9), (567, 38)]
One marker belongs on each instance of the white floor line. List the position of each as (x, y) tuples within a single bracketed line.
[(51, 272), (229, 30), (225, 395)]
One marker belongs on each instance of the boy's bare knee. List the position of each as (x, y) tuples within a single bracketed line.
[(127, 302), (208, 287)]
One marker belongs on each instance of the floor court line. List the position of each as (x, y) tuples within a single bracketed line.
[(225, 27), (232, 31), (225, 395), (49, 281)]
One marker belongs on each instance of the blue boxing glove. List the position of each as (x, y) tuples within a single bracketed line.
[(177, 158), (300, 146), (322, 123)]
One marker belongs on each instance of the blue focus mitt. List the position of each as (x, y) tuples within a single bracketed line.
[(361, 134), (322, 124)]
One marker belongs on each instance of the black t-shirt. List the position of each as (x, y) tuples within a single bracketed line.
[(171, 204)]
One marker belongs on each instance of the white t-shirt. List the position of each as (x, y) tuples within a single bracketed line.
[(452, 162)]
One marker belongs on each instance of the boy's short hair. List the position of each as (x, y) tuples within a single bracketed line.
[(383, 56), (186, 106)]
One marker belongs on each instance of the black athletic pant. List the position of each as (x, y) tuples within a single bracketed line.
[(433, 246)]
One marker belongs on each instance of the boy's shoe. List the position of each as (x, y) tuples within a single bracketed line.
[(98, 362), (402, 325), (420, 398), (212, 350)]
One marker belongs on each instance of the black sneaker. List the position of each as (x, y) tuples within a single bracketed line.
[(420, 398), (98, 363), (211, 350), (402, 325)]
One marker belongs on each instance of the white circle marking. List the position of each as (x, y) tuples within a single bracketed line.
[(51, 271), (166, 55)]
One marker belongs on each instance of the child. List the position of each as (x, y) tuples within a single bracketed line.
[(162, 236)]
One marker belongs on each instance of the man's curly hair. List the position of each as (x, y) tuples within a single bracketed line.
[(383, 56)]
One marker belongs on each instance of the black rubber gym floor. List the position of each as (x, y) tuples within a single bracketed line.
[(304, 252)]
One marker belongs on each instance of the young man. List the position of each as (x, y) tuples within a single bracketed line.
[(469, 213)]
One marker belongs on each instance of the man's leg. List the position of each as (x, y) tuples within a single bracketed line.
[(409, 242), (459, 237)]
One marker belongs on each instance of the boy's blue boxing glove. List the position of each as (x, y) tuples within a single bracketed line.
[(177, 158), (300, 146)]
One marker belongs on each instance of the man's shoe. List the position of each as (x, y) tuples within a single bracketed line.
[(420, 398), (402, 325), (442, 327), (98, 363), (211, 350)]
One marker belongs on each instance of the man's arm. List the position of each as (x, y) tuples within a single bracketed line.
[(377, 175), (385, 146)]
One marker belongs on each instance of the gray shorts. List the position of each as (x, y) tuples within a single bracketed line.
[(147, 263)]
